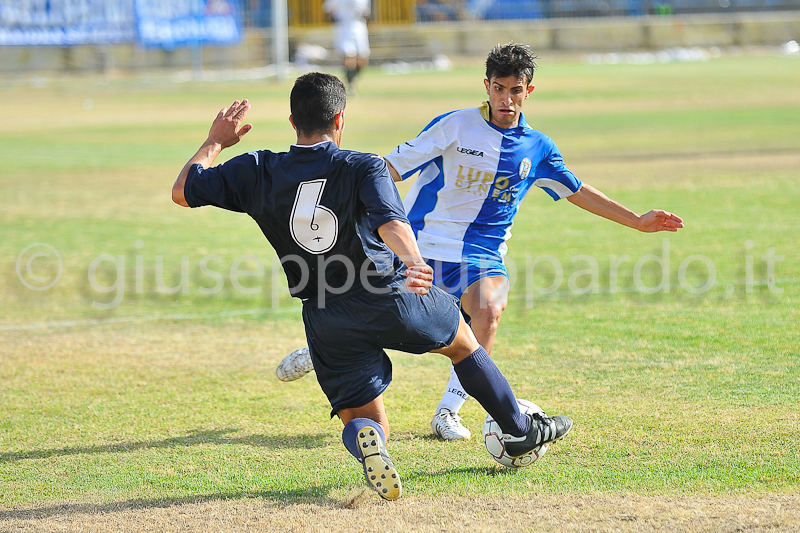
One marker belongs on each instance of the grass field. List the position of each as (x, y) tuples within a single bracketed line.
[(139, 394)]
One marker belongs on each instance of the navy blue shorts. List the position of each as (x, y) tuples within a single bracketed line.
[(348, 336)]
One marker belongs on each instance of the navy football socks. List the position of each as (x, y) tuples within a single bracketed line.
[(482, 380), (350, 433)]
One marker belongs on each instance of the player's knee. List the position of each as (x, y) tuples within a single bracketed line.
[(489, 314), (496, 308)]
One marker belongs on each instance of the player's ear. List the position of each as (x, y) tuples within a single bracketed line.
[(530, 90), (486, 84), (338, 120), (291, 121)]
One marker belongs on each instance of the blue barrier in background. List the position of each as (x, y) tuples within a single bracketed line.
[(257, 13), (174, 23), (162, 23)]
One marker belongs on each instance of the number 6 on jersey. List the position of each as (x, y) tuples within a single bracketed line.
[(314, 227)]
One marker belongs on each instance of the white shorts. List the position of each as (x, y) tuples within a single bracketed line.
[(352, 39)]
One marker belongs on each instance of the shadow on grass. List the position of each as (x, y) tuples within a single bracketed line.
[(318, 495), (193, 438), (490, 471)]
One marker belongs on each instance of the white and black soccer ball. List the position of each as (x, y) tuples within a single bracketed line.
[(493, 440)]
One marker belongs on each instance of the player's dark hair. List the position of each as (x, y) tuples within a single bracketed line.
[(315, 100), (511, 59)]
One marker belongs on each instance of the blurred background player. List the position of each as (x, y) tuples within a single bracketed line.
[(475, 167), (351, 36), (328, 212)]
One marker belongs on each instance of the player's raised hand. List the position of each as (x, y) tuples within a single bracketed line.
[(226, 130), (659, 220), (419, 278)]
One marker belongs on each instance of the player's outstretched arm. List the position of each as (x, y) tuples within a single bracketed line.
[(400, 239), (393, 172), (596, 202), (225, 132)]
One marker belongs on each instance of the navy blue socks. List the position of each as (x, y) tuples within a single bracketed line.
[(482, 380), (350, 432)]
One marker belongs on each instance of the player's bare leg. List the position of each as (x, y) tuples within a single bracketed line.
[(462, 346), (352, 68), (484, 301), (374, 410), (366, 430)]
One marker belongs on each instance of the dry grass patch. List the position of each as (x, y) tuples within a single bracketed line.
[(592, 513)]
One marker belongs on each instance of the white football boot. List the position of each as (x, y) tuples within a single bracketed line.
[(295, 365), (447, 425)]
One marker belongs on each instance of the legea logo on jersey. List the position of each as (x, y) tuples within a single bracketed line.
[(524, 168), (469, 151), (473, 180)]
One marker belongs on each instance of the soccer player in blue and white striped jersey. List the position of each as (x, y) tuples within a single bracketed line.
[(475, 167)]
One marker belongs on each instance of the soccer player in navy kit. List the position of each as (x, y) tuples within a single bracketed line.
[(475, 167), (337, 223)]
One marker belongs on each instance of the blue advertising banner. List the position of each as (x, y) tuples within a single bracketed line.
[(186, 23), (65, 22)]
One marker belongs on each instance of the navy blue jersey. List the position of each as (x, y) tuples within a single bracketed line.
[(319, 207)]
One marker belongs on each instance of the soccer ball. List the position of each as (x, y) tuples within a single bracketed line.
[(493, 440)]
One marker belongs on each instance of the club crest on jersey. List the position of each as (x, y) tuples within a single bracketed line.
[(524, 168), (470, 151)]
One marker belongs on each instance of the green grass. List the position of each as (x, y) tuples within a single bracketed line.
[(672, 392)]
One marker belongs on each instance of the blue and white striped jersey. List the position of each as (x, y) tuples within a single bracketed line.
[(473, 177)]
